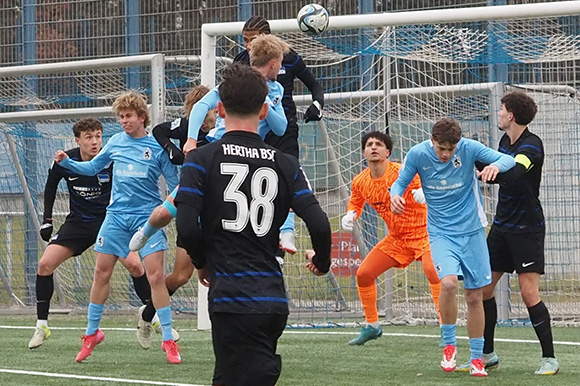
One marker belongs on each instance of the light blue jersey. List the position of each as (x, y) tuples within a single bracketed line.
[(137, 166), (454, 201), (275, 121)]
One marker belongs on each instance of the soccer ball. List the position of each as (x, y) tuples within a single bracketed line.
[(312, 18)]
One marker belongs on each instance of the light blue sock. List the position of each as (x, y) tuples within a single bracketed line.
[(449, 334), (288, 225), (164, 315), (476, 347), (149, 230), (95, 314)]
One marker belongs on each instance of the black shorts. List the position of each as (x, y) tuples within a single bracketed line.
[(288, 143), (519, 252), (245, 348), (77, 235)]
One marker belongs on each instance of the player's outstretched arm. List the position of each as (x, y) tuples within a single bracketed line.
[(163, 133), (276, 117), (86, 168), (314, 111), (198, 114), (59, 156)]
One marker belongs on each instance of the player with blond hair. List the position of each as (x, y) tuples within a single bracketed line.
[(89, 197), (162, 215), (267, 60), (138, 162), (293, 68), (407, 240)]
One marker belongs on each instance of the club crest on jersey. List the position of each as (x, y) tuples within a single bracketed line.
[(456, 162), (282, 70), (103, 178), (100, 241), (147, 154), (276, 100)]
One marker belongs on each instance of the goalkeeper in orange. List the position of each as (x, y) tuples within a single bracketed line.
[(407, 240)]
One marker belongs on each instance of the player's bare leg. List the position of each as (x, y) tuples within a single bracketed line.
[(159, 218), (448, 309), (160, 296), (99, 293)]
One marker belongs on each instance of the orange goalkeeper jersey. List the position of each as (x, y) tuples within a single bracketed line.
[(412, 224)]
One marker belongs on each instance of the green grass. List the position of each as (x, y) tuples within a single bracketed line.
[(312, 357)]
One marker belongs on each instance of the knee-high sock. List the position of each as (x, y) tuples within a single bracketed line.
[(142, 288), (149, 230), (490, 310), (476, 348), (540, 318), (149, 311), (44, 291), (436, 294), (449, 334), (165, 320), (288, 225), (368, 298), (95, 314)]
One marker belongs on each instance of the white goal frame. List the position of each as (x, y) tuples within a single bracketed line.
[(210, 31)]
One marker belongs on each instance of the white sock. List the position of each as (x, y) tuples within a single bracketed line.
[(41, 323), (374, 324)]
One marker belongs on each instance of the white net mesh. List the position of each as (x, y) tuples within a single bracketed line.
[(400, 79)]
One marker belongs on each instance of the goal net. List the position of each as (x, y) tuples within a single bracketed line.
[(400, 73), (395, 72)]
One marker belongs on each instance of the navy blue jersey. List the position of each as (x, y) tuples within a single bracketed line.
[(88, 195), (243, 188), (519, 209)]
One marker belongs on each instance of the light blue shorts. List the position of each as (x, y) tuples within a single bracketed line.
[(117, 230), (466, 256)]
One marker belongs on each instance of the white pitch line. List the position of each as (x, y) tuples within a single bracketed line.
[(88, 377), (314, 332)]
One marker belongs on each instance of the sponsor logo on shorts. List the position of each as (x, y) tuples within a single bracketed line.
[(155, 244), (53, 238), (524, 265)]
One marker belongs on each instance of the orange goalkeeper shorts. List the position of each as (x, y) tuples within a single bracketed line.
[(404, 252)]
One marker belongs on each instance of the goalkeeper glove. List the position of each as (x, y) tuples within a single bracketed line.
[(348, 221), (46, 229), (419, 196), (313, 113)]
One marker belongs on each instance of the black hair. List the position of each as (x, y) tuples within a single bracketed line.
[(383, 137), (257, 23)]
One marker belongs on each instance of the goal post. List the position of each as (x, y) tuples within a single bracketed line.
[(34, 127)]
